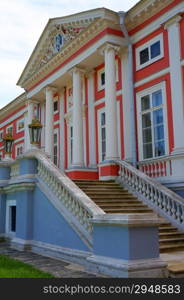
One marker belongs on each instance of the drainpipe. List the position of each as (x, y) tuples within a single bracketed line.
[(122, 15)]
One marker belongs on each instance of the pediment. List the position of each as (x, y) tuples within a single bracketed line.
[(57, 34)]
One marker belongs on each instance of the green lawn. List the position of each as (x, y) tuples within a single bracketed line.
[(11, 268)]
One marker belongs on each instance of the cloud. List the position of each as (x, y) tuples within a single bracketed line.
[(21, 24)]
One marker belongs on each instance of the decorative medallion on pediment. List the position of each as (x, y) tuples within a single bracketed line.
[(59, 35)]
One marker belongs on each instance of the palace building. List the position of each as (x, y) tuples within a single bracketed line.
[(92, 153)]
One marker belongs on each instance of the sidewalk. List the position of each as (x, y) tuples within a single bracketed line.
[(58, 268)]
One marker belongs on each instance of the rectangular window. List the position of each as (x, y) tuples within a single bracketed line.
[(152, 124), (19, 149), (55, 158), (150, 52), (55, 106), (20, 125), (102, 136), (9, 129), (71, 144), (1, 135)]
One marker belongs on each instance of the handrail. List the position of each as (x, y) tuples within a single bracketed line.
[(158, 195), (71, 196)]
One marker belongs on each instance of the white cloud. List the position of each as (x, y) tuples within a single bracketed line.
[(21, 24)]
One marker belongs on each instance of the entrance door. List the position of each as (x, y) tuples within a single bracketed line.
[(11, 217)]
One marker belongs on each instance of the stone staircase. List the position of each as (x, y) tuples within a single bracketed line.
[(113, 198)]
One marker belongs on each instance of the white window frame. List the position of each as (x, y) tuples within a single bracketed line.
[(17, 147), (17, 125), (10, 126), (56, 111), (100, 112), (69, 144), (1, 133), (99, 72), (158, 38), (161, 86), (9, 203), (56, 131)]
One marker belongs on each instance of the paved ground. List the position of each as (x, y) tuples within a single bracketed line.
[(58, 268)]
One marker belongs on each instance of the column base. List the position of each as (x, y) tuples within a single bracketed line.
[(144, 268), (77, 173), (108, 170)]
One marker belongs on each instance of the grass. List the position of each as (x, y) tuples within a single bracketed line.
[(12, 268)]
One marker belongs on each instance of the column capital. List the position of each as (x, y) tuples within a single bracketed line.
[(89, 73), (172, 21), (76, 69), (32, 101), (50, 89), (108, 47)]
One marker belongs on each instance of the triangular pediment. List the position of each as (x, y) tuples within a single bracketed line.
[(57, 34)]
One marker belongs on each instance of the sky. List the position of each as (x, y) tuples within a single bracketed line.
[(21, 24)]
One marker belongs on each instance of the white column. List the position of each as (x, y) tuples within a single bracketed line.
[(29, 116), (176, 82), (128, 106), (49, 121), (91, 118), (111, 103), (78, 150), (62, 137)]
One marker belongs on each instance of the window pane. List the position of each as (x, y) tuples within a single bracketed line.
[(157, 98), (103, 78), (147, 136), (103, 133), (158, 116), (55, 106), (159, 132), (146, 120), (55, 138), (103, 119), (13, 218), (155, 49), (103, 147), (160, 148), (144, 56), (147, 150), (145, 102)]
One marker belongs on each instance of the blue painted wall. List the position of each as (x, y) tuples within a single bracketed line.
[(4, 173), (50, 227), (125, 243), (28, 166)]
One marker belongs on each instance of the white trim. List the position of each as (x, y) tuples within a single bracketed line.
[(22, 120), (153, 26), (150, 90), (13, 118), (151, 77), (158, 38), (85, 54)]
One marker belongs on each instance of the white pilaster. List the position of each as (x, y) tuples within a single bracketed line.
[(62, 137), (110, 102), (49, 120), (29, 116), (128, 106), (91, 118), (176, 81), (78, 149)]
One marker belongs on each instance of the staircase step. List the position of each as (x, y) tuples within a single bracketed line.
[(171, 247), (167, 229), (114, 197), (121, 204), (104, 193), (176, 270), (171, 235), (127, 210), (171, 240)]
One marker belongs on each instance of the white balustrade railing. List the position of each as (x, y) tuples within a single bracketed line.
[(159, 167), (166, 202), (71, 196), (14, 170)]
